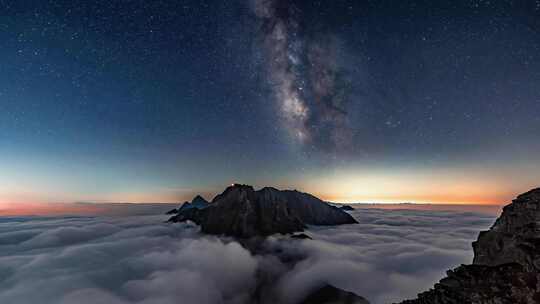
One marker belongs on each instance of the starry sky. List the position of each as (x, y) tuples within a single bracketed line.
[(354, 101)]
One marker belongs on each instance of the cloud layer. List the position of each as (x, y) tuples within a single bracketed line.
[(391, 255)]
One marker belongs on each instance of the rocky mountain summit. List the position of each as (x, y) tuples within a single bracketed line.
[(242, 212), (197, 202), (506, 265)]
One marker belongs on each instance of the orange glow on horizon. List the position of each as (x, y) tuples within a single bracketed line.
[(435, 187), (429, 186), (448, 199), (47, 209)]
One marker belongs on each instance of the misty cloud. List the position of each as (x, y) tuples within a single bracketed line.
[(122, 260), (389, 256)]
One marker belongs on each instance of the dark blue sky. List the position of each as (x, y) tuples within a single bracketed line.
[(157, 100)]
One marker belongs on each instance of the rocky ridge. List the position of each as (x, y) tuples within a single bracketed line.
[(515, 236), (242, 212), (197, 202), (506, 265)]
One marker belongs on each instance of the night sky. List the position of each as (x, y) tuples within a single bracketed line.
[(355, 101)]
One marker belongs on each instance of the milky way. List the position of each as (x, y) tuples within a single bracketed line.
[(309, 85)]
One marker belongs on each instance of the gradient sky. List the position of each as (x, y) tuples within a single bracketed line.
[(354, 101)]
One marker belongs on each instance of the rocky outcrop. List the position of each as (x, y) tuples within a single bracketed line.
[(515, 236), (242, 212), (308, 208), (198, 202), (239, 211), (477, 284), (506, 262), (329, 294)]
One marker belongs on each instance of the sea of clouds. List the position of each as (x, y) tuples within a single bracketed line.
[(391, 255)]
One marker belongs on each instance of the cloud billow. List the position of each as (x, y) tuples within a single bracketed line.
[(389, 256)]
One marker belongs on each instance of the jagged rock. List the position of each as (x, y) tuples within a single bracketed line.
[(189, 210), (515, 236), (477, 284), (197, 202), (346, 208), (506, 262), (329, 294), (241, 211)]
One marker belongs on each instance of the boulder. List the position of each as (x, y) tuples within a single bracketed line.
[(477, 284)]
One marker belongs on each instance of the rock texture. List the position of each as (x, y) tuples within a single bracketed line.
[(476, 284), (329, 294), (506, 262), (241, 211), (197, 202), (515, 236)]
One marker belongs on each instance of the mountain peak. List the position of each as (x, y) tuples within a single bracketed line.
[(515, 236), (199, 200), (241, 211)]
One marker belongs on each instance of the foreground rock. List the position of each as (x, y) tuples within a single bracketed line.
[(476, 284), (329, 294), (242, 212), (506, 262), (515, 236)]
